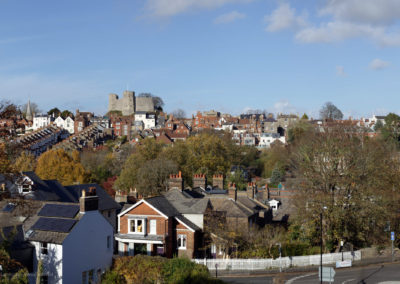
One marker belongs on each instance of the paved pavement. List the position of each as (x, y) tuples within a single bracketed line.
[(388, 273)]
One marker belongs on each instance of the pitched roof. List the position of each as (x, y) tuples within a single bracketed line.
[(47, 190), (163, 205), (106, 202), (185, 204), (50, 229), (52, 190)]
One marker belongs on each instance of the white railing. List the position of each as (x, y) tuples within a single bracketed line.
[(284, 262)]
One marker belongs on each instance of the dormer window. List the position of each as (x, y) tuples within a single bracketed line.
[(26, 188)]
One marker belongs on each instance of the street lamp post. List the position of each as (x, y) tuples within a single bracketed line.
[(341, 247)]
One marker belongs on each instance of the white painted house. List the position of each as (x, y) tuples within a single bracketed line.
[(266, 139), (41, 121), (74, 242), (67, 124), (148, 119)]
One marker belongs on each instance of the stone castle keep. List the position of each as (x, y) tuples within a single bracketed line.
[(129, 103)]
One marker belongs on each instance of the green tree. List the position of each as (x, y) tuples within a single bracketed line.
[(391, 130), (330, 111), (5, 164), (276, 176), (238, 178), (152, 177), (304, 117), (26, 162), (147, 151), (64, 114), (353, 177), (54, 111), (59, 165)]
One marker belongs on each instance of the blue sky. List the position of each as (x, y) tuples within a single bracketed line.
[(228, 55)]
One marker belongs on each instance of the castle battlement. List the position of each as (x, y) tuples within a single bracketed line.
[(129, 103)]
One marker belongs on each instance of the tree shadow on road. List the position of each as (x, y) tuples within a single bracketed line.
[(363, 281)]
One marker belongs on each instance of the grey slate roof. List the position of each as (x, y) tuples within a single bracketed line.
[(52, 190), (188, 223), (185, 204), (106, 202), (163, 205), (47, 190), (48, 235)]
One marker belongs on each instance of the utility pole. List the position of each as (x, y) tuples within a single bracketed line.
[(321, 248)]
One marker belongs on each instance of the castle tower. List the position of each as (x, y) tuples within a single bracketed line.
[(126, 104), (29, 115)]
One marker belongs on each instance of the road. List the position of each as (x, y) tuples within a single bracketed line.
[(384, 273)]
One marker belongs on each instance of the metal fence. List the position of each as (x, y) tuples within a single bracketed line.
[(284, 262)]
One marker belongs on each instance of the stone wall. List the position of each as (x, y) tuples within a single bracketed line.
[(129, 104)]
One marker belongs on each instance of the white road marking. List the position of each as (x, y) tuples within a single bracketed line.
[(344, 282), (290, 281)]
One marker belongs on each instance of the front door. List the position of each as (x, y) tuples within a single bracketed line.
[(140, 249)]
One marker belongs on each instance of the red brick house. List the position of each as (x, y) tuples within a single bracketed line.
[(153, 226)]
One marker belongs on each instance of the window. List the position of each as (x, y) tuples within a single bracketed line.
[(44, 279), (43, 248), (91, 276), (181, 241), (137, 226), (153, 227), (108, 242), (84, 277)]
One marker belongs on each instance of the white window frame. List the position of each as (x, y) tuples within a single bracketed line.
[(154, 222), (44, 248), (182, 238), (136, 226)]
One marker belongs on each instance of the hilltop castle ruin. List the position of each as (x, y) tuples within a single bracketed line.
[(129, 103)]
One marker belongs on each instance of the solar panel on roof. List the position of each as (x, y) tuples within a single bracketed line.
[(9, 207), (59, 210), (54, 225)]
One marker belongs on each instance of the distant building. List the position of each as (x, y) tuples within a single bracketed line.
[(129, 104), (67, 124)]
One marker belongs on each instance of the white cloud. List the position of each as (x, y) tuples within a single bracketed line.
[(229, 17), (284, 17), (378, 64), (340, 71), (369, 19), (283, 106), (364, 11), (169, 8)]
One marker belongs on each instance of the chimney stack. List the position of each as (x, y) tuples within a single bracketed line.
[(218, 181), (251, 190), (232, 191), (89, 201), (200, 180), (176, 181)]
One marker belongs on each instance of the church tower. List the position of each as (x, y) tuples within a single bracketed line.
[(29, 115)]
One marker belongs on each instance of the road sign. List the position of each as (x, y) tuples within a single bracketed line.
[(344, 263), (392, 236), (328, 274)]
